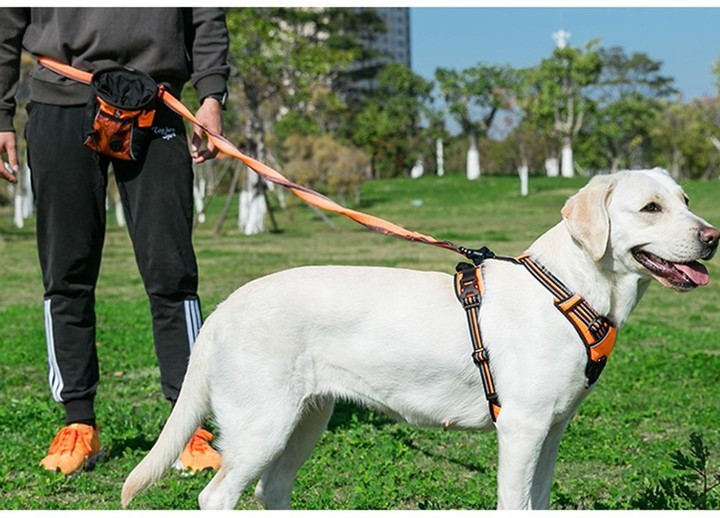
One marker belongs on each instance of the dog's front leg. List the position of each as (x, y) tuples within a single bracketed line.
[(542, 481), (520, 439)]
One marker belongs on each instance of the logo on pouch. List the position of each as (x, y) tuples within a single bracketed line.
[(165, 133)]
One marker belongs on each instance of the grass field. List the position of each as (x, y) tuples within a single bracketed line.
[(620, 451)]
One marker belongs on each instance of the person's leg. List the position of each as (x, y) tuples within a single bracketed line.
[(157, 197), (69, 184)]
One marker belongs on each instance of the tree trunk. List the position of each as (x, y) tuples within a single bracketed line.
[(677, 159), (472, 167), (228, 199), (523, 172), (253, 206), (23, 197), (200, 190), (567, 168), (417, 170), (439, 157), (552, 168)]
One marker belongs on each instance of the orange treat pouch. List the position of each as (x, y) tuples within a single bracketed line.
[(120, 113)]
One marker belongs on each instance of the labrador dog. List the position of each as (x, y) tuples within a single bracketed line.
[(272, 358)]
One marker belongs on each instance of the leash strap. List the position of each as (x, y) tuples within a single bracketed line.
[(308, 195)]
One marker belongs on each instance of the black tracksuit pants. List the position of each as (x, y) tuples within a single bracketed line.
[(69, 182)]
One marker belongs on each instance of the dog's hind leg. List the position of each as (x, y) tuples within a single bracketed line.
[(275, 486), (249, 442)]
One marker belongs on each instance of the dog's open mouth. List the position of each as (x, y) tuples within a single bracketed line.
[(681, 276)]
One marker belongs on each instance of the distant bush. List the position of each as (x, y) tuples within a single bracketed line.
[(322, 163)]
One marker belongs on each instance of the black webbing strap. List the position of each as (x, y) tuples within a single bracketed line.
[(468, 288)]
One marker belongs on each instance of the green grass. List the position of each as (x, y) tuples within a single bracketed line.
[(661, 385)]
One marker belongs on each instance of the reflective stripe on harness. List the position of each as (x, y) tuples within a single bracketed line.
[(597, 333)]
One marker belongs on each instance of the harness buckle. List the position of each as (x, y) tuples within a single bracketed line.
[(480, 356), (594, 368)]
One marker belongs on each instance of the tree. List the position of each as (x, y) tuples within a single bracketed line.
[(279, 57), (561, 83), (474, 97), (534, 134), (628, 104), (680, 139), (389, 125)]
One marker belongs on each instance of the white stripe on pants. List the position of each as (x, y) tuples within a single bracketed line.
[(54, 376), (193, 320)]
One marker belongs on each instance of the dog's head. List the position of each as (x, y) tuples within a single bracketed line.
[(639, 221)]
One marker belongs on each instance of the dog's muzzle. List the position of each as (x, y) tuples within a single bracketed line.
[(709, 237)]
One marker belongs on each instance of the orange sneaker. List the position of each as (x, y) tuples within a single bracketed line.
[(198, 454), (74, 448)]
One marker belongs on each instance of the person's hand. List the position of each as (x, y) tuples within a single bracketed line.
[(209, 115), (8, 147)]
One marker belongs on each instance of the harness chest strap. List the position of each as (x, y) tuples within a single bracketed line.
[(596, 332)]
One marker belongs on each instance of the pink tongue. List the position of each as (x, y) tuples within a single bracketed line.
[(695, 271)]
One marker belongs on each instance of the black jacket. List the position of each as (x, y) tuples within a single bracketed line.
[(173, 45)]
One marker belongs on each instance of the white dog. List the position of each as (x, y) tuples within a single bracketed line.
[(272, 358)]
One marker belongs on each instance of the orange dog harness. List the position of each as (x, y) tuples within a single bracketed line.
[(597, 333)]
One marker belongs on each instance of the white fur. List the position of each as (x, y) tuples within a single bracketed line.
[(272, 358)]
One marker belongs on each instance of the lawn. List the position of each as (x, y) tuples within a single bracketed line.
[(620, 452)]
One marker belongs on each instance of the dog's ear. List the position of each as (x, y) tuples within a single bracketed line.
[(586, 215)]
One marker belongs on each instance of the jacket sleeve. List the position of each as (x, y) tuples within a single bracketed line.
[(208, 49), (13, 22)]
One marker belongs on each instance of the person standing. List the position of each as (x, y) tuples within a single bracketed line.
[(173, 46)]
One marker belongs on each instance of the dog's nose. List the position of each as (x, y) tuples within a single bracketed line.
[(710, 236)]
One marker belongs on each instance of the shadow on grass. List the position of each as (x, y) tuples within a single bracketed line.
[(407, 440), (138, 443), (347, 414)]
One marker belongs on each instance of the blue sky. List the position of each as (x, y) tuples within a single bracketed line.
[(686, 40)]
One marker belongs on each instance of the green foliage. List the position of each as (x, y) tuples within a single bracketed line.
[(680, 139), (284, 61), (388, 126), (560, 88), (475, 95), (692, 487), (628, 104)]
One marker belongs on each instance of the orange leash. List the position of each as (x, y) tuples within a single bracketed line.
[(308, 195), (597, 333)]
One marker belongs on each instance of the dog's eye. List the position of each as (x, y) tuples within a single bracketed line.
[(687, 200), (651, 207)]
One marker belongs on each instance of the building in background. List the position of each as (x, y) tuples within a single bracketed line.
[(393, 46), (395, 43)]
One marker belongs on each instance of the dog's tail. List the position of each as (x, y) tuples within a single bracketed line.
[(191, 407)]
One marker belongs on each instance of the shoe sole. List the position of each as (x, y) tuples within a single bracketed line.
[(89, 464)]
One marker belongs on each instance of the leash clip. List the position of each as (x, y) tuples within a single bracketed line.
[(477, 255)]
